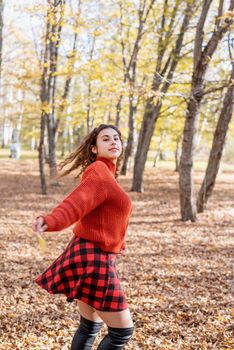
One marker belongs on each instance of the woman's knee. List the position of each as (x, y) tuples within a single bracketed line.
[(88, 312), (120, 319), (116, 338)]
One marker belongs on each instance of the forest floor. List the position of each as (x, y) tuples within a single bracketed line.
[(177, 276)]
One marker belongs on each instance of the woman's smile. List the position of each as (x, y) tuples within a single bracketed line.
[(114, 149)]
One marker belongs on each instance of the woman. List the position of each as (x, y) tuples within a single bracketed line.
[(85, 271)]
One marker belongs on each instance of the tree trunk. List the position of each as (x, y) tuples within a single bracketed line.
[(146, 133), (159, 85), (42, 156), (33, 146), (3, 144), (46, 96), (70, 139), (131, 136), (44, 110), (202, 57), (55, 15), (89, 101), (1, 42), (67, 86), (200, 134), (187, 190), (130, 74), (88, 115), (158, 151), (1, 37), (177, 155), (118, 110), (217, 146), (17, 129), (52, 151)]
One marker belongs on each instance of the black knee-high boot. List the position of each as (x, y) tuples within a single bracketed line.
[(116, 338), (85, 334)]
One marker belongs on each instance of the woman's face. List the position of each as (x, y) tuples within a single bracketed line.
[(108, 144)]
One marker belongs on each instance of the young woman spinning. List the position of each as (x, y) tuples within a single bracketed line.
[(86, 270)]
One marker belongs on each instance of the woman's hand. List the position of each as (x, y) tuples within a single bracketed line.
[(39, 225)]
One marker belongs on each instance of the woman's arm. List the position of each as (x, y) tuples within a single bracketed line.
[(89, 194)]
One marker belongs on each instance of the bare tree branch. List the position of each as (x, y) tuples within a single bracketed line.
[(199, 32), (219, 88), (122, 40), (220, 12), (176, 51), (217, 35)]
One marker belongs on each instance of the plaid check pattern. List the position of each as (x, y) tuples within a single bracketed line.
[(85, 272)]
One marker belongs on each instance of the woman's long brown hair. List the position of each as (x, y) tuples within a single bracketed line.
[(83, 156)]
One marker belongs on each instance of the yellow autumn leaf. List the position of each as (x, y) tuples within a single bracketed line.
[(41, 241)]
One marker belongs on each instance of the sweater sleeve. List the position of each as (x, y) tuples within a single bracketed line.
[(89, 194)]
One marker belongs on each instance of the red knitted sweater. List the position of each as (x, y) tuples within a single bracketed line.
[(99, 207)]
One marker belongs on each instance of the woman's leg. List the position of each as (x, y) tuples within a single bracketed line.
[(88, 312), (90, 325), (120, 329), (119, 319)]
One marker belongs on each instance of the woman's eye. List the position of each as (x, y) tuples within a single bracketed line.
[(117, 139)]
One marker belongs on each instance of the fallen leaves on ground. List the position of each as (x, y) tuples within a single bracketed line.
[(177, 276)]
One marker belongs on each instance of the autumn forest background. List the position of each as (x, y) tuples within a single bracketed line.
[(163, 72)]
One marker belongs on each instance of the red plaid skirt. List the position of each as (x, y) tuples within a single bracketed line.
[(85, 272)]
